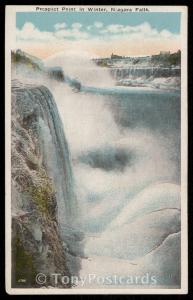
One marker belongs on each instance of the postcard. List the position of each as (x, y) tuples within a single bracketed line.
[(96, 149)]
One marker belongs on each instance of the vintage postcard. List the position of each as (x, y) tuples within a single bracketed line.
[(96, 150)]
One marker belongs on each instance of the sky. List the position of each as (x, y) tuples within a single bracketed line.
[(97, 34)]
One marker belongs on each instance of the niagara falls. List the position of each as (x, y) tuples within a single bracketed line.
[(111, 159), (96, 151)]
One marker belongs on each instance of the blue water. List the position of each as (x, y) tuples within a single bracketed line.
[(128, 91), (128, 161)]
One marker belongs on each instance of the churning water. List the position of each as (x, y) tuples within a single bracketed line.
[(125, 151)]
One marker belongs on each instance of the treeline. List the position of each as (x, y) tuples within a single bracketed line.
[(33, 64), (19, 57), (167, 59)]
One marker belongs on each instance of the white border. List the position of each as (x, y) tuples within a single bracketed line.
[(9, 44)]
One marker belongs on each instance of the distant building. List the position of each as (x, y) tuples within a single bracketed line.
[(114, 56)]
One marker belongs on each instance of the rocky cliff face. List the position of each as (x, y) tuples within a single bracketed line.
[(37, 246)]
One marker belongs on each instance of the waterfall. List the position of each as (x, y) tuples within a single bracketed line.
[(144, 71), (38, 108), (132, 132)]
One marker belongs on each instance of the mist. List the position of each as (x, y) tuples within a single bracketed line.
[(125, 156)]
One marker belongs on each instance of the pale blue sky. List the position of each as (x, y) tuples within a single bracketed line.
[(45, 21)]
